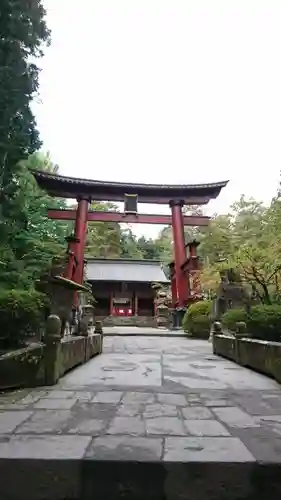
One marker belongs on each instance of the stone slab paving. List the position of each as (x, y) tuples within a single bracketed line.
[(146, 400)]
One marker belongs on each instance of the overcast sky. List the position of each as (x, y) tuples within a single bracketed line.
[(165, 91)]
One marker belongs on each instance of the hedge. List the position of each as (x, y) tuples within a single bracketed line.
[(21, 313), (196, 321), (263, 322)]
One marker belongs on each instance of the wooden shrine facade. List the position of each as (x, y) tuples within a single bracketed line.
[(122, 289), (176, 196)]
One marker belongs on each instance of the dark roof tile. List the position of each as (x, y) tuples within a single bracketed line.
[(125, 270)]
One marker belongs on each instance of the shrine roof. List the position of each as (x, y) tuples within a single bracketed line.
[(125, 270), (72, 187)]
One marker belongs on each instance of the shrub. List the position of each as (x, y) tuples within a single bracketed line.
[(197, 320), (232, 316), (21, 312), (263, 322)]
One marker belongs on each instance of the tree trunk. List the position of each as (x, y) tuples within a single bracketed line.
[(266, 296)]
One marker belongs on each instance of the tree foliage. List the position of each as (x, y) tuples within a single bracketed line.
[(21, 313), (31, 239), (23, 33), (248, 238), (103, 238)]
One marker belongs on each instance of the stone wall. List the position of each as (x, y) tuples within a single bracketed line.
[(68, 353), (42, 364), (94, 345), (262, 356), (21, 368), (72, 353), (224, 345)]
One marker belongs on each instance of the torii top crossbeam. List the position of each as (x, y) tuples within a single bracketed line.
[(73, 187)]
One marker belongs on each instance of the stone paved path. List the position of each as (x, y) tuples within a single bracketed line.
[(148, 399)]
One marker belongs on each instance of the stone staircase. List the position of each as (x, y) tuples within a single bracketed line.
[(71, 479), (140, 321)]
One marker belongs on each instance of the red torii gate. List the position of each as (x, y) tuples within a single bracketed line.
[(176, 196)]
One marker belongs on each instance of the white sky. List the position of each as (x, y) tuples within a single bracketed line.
[(165, 91)]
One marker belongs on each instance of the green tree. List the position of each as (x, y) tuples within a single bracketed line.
[(249, 221), (256, 235), (216, 239), (164, 244), (129, 245), (103, 238), (23, 35), (248, 238), (273, 216), (260, 266), (192, 233), (148, 248), (32, 240)]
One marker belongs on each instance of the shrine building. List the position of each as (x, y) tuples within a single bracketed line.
[(123, 289)]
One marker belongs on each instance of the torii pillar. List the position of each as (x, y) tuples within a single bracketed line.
[(80, 233), (179, 252), (76, 246)]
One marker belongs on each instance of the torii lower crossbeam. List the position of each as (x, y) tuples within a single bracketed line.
[(98, 216)]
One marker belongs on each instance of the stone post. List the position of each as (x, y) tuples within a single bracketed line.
[(216, 329), (98, 337), (84, 327), (52, 350), (98, 327), (240, 333), (87, 319), (241, 330)]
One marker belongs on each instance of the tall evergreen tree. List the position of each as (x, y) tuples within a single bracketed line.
[(23, 34)]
